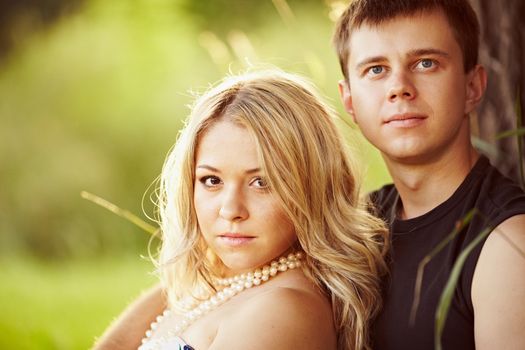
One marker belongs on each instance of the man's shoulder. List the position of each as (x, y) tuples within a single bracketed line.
[(497, 197)]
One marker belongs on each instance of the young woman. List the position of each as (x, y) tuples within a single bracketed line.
[(266, 243)]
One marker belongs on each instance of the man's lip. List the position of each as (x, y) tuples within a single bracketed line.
[(404, 116)]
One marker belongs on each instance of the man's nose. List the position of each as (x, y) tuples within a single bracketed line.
[(401, 87)]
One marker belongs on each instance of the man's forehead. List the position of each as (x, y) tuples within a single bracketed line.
[(402, 35), (402, 17)]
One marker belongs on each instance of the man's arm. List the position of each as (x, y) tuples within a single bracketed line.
[(127, 331), (498, 288)]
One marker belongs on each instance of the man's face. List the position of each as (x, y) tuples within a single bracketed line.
[(408, 91)]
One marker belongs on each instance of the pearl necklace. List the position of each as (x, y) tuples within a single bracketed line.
[(233, 286)]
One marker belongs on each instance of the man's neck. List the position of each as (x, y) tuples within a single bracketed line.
[(422, 187)]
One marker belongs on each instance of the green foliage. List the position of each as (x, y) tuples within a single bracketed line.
[(95, 102), (65, 306)]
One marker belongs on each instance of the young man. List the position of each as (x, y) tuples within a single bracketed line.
[(411, 80)]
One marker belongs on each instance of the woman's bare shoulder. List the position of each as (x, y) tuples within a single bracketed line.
[(280, 318)]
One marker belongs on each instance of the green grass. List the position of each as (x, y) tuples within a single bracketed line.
[(65, 305)]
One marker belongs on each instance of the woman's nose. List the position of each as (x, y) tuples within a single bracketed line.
[(233, 206)]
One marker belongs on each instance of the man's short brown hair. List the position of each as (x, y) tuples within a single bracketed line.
[(459, 14)]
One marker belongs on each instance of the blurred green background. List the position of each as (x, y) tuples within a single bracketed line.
[(92, 94)]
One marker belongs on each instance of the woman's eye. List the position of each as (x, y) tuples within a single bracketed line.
[(259, 182), (210, 181)]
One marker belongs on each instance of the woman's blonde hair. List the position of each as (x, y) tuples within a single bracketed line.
[(306, 163)]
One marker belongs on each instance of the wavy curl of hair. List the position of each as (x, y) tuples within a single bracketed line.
[(310, 171)]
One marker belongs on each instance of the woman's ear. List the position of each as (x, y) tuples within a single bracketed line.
[(346, 98), (476, 86)]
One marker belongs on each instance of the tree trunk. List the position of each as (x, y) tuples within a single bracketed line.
[(502, 52)]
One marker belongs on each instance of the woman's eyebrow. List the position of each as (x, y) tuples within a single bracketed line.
[(209, 167)]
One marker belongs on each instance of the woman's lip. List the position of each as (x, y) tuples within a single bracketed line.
[(235, 240), (235, 235)]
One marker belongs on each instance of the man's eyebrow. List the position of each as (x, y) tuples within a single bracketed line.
[(209, 167), (369, 60), (428, 51)]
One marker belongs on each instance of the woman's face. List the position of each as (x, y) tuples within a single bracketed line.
[(240, 219)]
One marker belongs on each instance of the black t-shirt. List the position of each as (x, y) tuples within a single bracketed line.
[(496, 198)]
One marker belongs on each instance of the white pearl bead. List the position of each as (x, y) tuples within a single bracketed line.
[(233, 285)]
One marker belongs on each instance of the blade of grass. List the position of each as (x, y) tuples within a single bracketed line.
[(284, 11), (508, 133), (422, 264), (120, 212), (448, 291), (485, 147), (519, 117)]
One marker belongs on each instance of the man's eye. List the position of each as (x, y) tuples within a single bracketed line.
[(210, 181), (376, 70), (426, 63)]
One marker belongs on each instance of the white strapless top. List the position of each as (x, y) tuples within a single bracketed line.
[(171, 343)]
